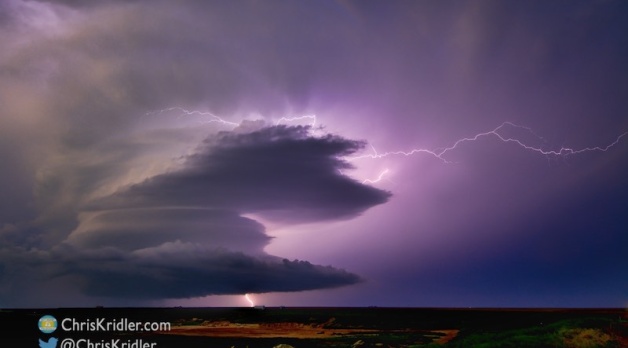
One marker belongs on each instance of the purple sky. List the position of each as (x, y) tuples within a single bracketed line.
[(187, 153)]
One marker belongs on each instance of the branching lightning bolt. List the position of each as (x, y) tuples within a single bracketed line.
[(439, 153), (212, 117), (298, 118), (378, 179), (248, 298), (218, 119)]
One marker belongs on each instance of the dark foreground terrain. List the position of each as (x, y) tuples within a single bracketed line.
[(326, 327)]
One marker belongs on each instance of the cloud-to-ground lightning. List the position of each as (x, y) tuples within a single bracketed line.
[(439, 153), (248, 298)]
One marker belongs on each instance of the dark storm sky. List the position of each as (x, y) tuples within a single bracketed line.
[(187, 153)]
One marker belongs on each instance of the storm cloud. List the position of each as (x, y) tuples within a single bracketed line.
[(170, 270), (97, 180), (182, 234), (280, 172), (148, 147)]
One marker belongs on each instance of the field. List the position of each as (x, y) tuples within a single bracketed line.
[(340, 327)]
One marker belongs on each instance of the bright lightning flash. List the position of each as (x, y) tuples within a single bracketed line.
[(563, 151), (298, 118), (437, 153), (378, 179), (248, 298), (210, 118)]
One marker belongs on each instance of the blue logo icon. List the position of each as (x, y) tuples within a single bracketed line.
[(47, 324), (52, 343)]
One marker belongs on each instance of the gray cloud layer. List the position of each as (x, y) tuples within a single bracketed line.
[(170, 270)]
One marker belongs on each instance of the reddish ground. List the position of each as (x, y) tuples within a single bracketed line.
[(290, 330), (449, 335)]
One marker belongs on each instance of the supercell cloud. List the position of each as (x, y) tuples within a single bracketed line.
[(281, 172), (105, 198), (182, 233), (151, 150)]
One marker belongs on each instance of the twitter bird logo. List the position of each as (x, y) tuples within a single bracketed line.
[(52, 343)]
